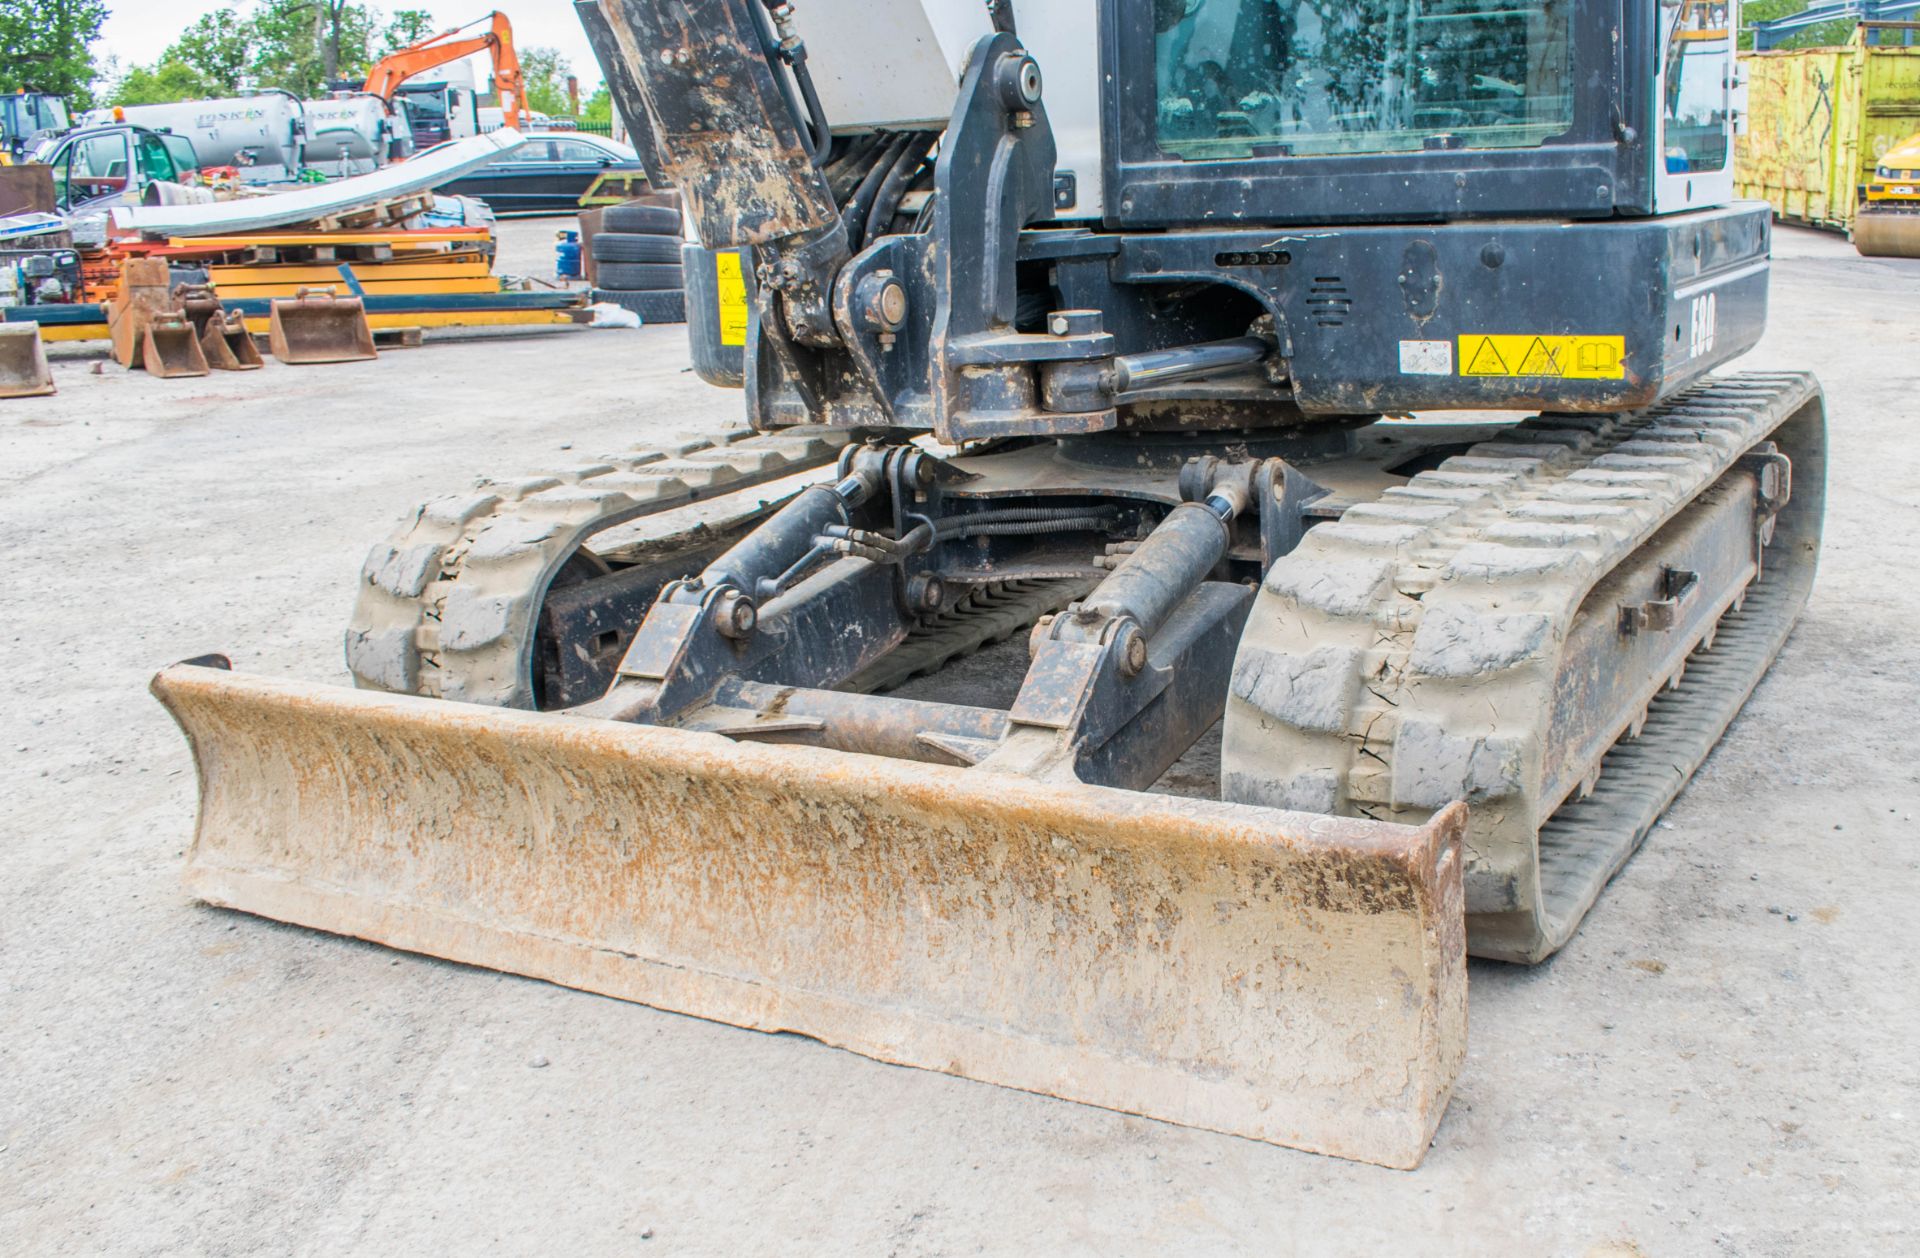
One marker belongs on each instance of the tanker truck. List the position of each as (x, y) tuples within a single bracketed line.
[(263, 136), (353, 134)]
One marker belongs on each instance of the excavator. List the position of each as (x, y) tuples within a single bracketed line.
[(388, 73), (1320, 399)]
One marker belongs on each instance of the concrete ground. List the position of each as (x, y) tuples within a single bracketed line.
[(1722, 1062)]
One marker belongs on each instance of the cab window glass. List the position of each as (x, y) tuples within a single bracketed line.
[(155, 161), (181, 149), (95, 166), (1694, 91), (1277, 78)]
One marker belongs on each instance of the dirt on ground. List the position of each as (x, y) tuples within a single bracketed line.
[(1721, 1062)]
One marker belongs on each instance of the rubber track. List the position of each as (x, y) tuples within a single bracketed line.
[(447, 605), (1586, 841), (1405, 655), (986, 615)]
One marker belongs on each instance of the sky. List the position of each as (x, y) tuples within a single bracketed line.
[(138, 31)]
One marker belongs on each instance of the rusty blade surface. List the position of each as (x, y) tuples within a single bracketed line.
[(1292, 978)]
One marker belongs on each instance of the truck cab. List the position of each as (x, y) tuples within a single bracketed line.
[(439, 110), (112, 164), (26, 117)]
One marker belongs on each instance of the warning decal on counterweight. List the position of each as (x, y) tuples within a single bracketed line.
[(1563, 357)]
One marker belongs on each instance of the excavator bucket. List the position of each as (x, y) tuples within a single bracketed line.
[(318, 326), (168, 347), (1887, 233), (1293, 978), (228, 345), (200, 303), (23, 362)]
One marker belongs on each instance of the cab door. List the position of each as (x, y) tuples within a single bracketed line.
[(153, 160), (1698, 104), (90, 168)]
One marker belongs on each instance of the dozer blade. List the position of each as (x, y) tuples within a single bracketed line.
[(1887, 233), (168, 347), (1293, 978), (318, 326), (228, 345), (23, 362)]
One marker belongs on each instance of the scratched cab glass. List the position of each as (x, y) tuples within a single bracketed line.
[(1280, 78)]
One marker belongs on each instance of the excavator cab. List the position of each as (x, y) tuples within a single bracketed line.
[(1111, 337)]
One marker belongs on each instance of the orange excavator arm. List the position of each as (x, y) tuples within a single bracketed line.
[(437, 50)]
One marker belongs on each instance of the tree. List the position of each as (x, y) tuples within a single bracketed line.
[(406, 26), (545, 72), (299, 46), (166, 80), (304, 45), (49, 47), (599, 107), (219, 47)]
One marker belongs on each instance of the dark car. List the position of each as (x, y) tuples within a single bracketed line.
[(546, 175)]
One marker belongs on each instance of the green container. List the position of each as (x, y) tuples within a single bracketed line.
[(1818, 120)]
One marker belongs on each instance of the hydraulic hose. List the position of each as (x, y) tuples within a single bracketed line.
[(851, 169), (887, 203), (862, 204), (975, 523)]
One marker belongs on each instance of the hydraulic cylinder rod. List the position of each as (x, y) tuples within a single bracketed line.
[(1153, 580), (1163, 366)]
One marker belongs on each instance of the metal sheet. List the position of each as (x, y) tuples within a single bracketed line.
[(419, 174), (1292, 978)]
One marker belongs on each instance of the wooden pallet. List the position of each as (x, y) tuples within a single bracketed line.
[(399, 338), (392, 211)]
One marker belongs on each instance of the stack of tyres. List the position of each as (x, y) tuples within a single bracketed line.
[(636, 256)]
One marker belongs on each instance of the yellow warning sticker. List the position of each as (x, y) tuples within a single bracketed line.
[(1567, 357), (732, 285)]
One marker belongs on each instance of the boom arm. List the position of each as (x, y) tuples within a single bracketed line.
[(437, 50)]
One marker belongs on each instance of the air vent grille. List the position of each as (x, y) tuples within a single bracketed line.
[(1328, 300)]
